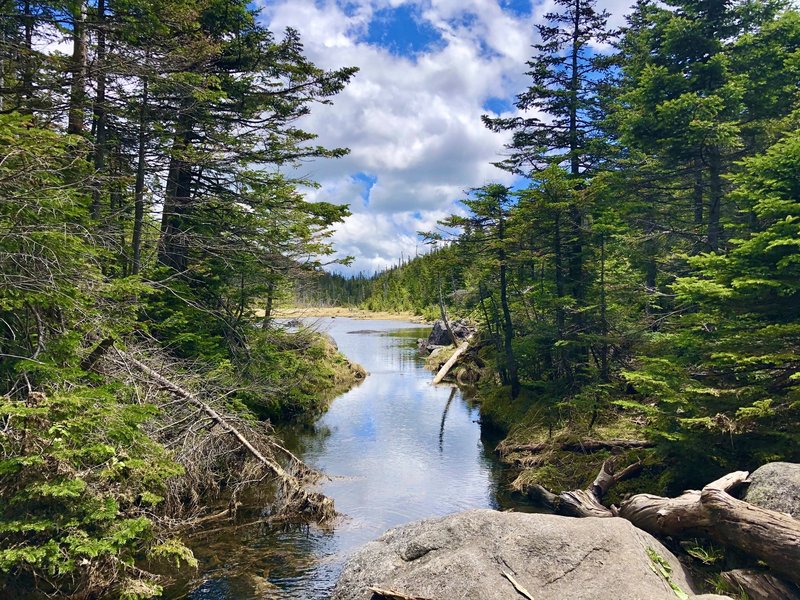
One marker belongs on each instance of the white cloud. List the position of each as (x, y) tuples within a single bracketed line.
[(412, 123)]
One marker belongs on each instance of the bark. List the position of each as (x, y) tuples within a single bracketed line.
[(443, 313), (173, 247), (138, 194), (760, 585), (604, 347), (394, 595), (77, 94), (508, 325), (588, 502), (762, 534), (25, 98), (268, 307), (715, 200), (99, 116), (449, 364)]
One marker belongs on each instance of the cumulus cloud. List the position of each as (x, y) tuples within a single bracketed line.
[(411, 116)]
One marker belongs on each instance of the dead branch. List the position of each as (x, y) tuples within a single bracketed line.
[(310, 504)]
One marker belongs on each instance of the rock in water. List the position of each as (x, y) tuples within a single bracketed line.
[(440, 337), (776, 486), (554, 558)]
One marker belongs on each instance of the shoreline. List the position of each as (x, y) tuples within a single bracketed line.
[(348, 312)]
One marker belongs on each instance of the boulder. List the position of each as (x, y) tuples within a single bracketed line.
[(465, 556), (776, 486), (440, 337)]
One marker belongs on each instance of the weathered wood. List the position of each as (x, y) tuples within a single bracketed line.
[(517, 585), (767, 535), (449, 364), (392, 595), (581, 503), (588, 502), (763, 534), (760, 585), (576, 446)]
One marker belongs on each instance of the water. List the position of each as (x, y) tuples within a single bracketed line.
[(397, 449)]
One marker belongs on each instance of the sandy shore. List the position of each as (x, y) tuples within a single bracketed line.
[(339, 311)]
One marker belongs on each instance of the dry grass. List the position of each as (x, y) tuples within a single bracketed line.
[(340, 311)]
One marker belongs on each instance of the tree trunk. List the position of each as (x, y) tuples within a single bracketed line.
[(715, 200), (99, 116), (25, 95), (604, 346), (508, 325), (443, 312), (450, 362), (268, 307), (77, 94), (173, 247), (138, 195), (318, 505), (583, 446)]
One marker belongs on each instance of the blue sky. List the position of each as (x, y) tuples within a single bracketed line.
[(428, 70)]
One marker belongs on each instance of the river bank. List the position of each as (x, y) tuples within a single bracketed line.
[(394, 449), (306, 312)]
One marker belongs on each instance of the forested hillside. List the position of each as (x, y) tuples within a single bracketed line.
[(144, 214), (650, 269)]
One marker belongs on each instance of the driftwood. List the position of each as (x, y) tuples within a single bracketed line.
[(312, 504), (517, 586), (392, 595), (575, 446), (760, 585), (765, 535), (449, 364), (588, 502)]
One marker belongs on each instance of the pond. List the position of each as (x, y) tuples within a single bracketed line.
[(396, 449)]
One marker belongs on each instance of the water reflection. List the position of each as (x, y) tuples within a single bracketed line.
[(397, 449)]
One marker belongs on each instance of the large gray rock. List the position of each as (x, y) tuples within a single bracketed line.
[(776, 486), (554, 558), (440, 337)]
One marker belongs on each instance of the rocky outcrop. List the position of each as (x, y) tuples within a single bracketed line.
[(485, 555), (776, 486)]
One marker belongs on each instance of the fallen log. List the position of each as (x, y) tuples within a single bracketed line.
[(760, 585), (449, 364), (765, 535), (312, 504), (575, 446), (588, 502)]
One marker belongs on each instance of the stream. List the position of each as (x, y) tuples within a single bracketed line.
[(396, 449)]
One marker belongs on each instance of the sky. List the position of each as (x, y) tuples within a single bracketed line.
[(412, 115)]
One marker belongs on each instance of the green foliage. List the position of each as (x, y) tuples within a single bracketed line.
[(661, 567), (79, 476)]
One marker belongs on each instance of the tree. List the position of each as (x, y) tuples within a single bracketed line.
[(485, 233)]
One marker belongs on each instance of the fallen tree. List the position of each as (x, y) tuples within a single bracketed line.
[(211, 443), (763, 535), (449, 364)]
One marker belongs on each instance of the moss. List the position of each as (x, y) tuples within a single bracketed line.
[(303, 372)]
